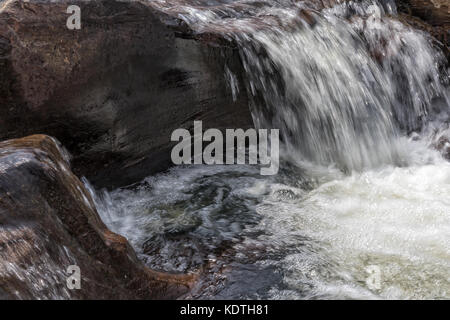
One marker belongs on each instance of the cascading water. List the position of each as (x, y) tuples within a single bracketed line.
[(337, 105), (362, 104)]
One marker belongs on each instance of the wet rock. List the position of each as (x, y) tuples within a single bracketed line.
[(307, 16), (435, 12), (443, 145), (432, 16), (113, 91), (48, 222)]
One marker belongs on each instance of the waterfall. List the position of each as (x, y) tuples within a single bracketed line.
[(337, 103), (343, 85), (362, 103)]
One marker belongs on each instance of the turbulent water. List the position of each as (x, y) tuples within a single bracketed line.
[(361, 205)]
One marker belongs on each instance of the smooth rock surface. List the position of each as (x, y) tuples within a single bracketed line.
[(48, 222), (114, 91)]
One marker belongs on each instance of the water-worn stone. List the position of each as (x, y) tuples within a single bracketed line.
[(113, 91), (48, 222)]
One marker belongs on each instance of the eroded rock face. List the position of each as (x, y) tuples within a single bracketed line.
[(48, 222), (114, 91)]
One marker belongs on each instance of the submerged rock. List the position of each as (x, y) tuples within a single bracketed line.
[(113, 91), (48, 222), (442, 143)]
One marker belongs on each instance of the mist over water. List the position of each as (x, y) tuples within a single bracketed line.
[(362, 104)]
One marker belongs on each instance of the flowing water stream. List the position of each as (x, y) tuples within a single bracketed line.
[(361, 205)]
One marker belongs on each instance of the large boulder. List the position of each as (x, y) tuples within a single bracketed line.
[(113, 91), (48, 222)]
